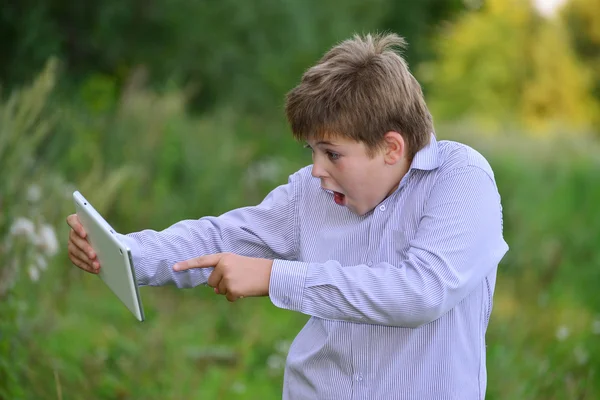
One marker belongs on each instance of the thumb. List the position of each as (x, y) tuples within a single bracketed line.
[(207, 261)]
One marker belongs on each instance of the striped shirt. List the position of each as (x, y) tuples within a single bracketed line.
[(399, 298)]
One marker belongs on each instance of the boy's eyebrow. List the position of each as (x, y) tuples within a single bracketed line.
[(326, 142), (322, 142)]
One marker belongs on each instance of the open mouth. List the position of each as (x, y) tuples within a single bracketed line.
[(339, 198)]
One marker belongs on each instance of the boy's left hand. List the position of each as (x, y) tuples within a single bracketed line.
[(234, 276)]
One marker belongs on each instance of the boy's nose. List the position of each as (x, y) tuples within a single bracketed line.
[(318, 171)]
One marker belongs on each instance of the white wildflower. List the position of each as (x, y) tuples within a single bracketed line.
[(47, 240), (68, 190), (562, 333), (238, 387), (580, 355), (34, 193), (34, 273), (267, 170), (275, 362), (596, 327), (41, 262), (22, 227), (283, 346)]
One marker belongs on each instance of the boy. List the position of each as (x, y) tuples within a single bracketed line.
[(390, 240)]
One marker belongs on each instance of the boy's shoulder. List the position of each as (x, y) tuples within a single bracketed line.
[(453, 155)]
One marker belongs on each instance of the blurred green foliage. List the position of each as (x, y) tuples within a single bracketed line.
[(224, 52), (523, 71), (165, 110)]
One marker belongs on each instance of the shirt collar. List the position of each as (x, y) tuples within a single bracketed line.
[(427, 157)]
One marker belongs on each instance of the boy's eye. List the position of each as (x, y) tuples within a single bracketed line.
[(333, 156)]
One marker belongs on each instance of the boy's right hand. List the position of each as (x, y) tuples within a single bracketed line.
[(81, 253)]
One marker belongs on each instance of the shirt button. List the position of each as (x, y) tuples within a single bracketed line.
[(359, 377), (382, 207), (370, 263), (286, 301)]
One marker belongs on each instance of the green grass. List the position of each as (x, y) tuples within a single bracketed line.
[(192, 345)]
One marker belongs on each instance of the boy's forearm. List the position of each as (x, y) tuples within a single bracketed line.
[(263, 231), (154, 253), (406, 295)]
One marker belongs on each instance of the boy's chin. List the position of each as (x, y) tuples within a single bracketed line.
[(357, 209), (362, 208)]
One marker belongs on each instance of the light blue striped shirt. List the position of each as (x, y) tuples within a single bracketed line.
[(399, 298)]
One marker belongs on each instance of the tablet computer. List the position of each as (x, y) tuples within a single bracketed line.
[(116, 262)]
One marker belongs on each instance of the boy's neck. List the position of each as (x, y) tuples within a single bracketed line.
[(401, 172)]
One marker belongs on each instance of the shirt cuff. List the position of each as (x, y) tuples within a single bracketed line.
[(286, 286)]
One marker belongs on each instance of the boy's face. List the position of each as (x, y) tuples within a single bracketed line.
[(358, 181)]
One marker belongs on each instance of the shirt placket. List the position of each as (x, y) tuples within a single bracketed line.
[(360, 336)]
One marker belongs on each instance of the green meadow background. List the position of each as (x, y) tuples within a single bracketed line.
[(164, 110)]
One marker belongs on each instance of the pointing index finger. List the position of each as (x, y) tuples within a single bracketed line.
[(207, 261)]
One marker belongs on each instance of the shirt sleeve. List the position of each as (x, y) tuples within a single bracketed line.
[(458, 243), (267, 230)]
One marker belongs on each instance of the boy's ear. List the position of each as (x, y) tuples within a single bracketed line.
[(395, 147)]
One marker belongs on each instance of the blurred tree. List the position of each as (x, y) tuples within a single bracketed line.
[(480, 67), (506, 63), (418, 22), (28, 38), (244, 54), (583, 20), (557, 90)]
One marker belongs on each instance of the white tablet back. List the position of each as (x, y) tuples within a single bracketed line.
[(116, 265)]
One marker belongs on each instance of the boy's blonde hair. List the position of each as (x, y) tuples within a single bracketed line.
[(361, 89)]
